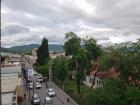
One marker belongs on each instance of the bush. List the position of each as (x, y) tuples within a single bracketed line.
[(44, 70), (114, 92)]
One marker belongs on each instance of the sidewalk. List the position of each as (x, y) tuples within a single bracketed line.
[(26, 101), (64, 96)]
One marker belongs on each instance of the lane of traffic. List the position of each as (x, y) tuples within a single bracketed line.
[(43, 93)]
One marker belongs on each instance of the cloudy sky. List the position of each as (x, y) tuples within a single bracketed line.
[(109, 21)]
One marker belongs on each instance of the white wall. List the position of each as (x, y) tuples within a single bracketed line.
[(90, 79)]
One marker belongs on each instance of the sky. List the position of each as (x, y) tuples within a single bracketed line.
[(108, 21)]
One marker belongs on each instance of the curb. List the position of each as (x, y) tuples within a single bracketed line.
[(66, 94)]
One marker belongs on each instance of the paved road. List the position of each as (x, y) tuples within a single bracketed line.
[(59, 99)]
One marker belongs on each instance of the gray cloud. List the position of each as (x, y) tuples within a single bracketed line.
[(106, 20), (102, 39), (14, 29)]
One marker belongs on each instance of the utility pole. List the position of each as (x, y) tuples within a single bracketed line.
[(33, 88), (50, 74)]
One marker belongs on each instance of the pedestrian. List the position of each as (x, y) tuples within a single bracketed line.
[(68, 100), (25, 96)]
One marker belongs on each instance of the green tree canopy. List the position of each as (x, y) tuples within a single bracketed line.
[(44, 70), (72, 43), (60, 69), (126, 56), (93, 50), (114, 92), (43, 52), (80, 60)]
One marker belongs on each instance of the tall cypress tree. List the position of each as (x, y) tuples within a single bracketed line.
[(43, 52)]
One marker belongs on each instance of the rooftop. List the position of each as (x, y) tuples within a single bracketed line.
[(112, 73)]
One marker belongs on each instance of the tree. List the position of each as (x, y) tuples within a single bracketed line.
[(43, 52), (60, 70), (126, 57), (113, 92), (72, 43), (72, 47), (93, 50), (80, 60), (44, 70)]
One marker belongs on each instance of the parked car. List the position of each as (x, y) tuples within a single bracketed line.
[(31, 85), (38, 85), (48, 101), (29, 80), (35, 100), (40, 79), (51, 92), (35, 73)]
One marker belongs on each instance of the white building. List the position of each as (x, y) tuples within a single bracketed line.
[(34, 52), (99, 76), (12, 84), (90, 80)]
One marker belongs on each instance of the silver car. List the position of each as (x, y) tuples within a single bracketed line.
[(35, 100), (51, 92)]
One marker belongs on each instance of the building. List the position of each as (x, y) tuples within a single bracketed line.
[(31, 59), (9, 58), (96, 77), (12, 90), (55, 54), (34, 52)]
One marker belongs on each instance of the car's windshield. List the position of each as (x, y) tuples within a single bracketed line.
[(51, 90), (36, 98)]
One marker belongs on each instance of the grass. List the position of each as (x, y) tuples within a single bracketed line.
[(70, 87)]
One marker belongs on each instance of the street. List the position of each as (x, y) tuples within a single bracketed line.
[(59, 99)]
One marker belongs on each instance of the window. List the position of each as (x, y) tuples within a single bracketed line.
[(91, 80), (97, 82)]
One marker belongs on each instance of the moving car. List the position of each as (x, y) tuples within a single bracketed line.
[(40, 79), (51, 92), (35, 100), (31, 85), (38, 85), (48, 101), (35, 73)]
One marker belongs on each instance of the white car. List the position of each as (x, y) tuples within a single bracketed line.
[(38, 85), (29, 79), (31, 85), (40, 79), (35, 100), (48, 101), (51, 92), (35, 73)]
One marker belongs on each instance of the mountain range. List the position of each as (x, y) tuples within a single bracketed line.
[(28, 48)]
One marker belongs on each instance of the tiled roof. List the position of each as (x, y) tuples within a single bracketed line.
[(105, 74)]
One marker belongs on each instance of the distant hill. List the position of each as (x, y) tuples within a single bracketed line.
[(28, 48)]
